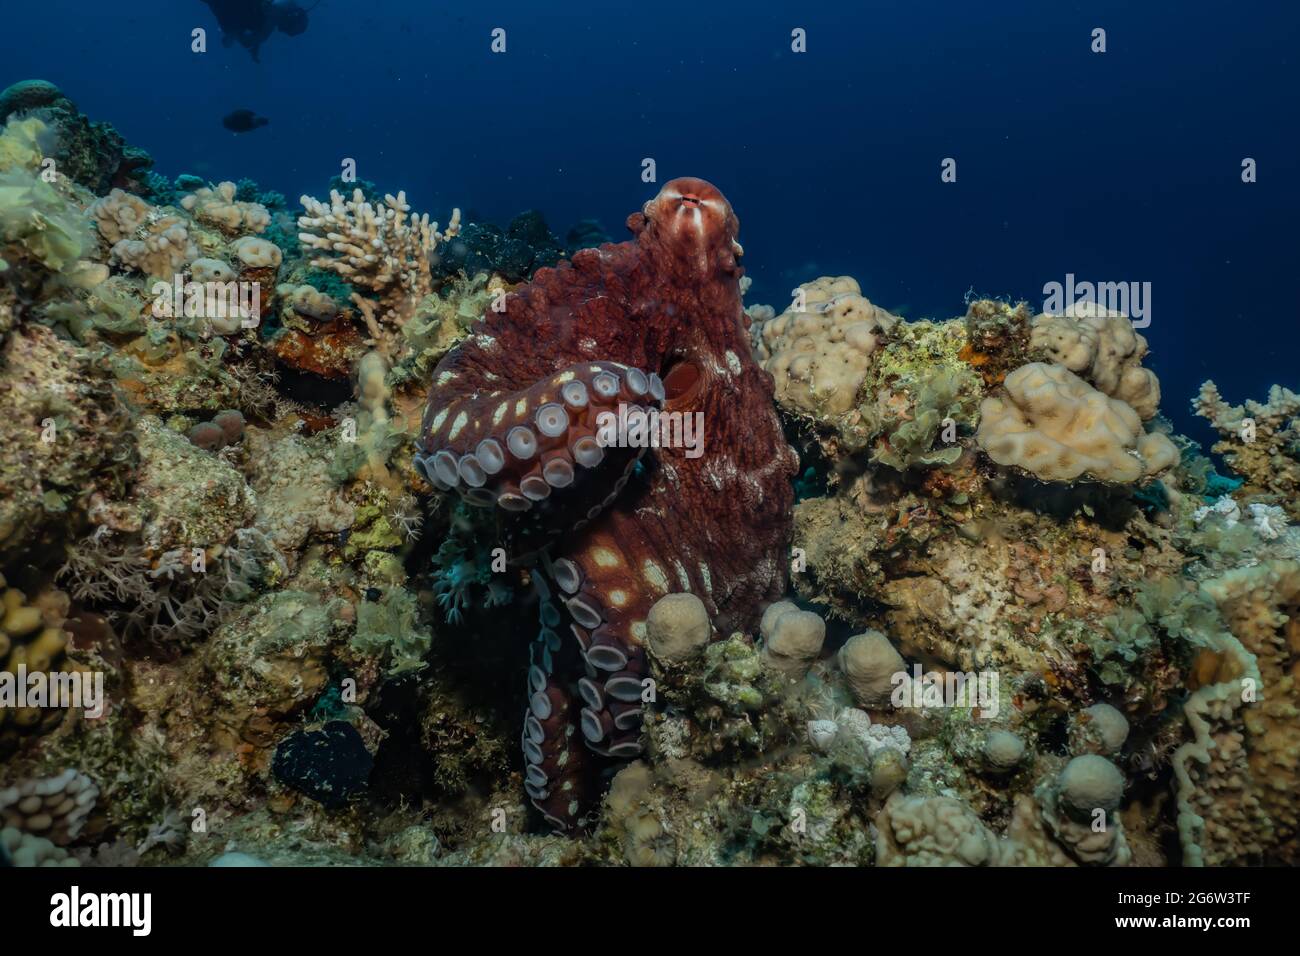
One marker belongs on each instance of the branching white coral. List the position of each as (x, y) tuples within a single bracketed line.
[(383, 250)]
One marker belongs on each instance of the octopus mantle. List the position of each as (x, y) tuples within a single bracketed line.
[(514, 423)]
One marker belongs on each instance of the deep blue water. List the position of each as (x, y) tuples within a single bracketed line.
[(1122, 166)]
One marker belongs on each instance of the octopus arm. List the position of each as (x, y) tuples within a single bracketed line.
[(512, 448)]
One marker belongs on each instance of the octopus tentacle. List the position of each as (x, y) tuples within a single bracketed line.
[(512, 450), (555, 762), (555, 778)]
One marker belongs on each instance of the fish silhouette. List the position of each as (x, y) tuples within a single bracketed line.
[(242, 121)]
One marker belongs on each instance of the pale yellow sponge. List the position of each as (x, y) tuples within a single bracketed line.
[(1102, 347), (120, 215), (219, 207), (256, 253), (1055, 425), (144, 238), (820, 347)]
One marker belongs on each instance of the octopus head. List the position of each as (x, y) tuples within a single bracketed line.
[(693, 214)]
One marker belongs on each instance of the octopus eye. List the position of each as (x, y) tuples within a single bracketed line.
[(681, 379)]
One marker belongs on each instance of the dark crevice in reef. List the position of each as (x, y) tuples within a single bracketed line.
[(313, 391), (1110, 506)]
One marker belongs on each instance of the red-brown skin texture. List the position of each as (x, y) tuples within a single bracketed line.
[(718, 525)]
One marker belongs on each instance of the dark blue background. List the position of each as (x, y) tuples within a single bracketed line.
[(1122, 166)]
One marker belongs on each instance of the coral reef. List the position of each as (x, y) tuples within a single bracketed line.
[(54, 808), (935, 591)]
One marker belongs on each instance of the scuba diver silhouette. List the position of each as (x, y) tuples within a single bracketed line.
[(250, 22)]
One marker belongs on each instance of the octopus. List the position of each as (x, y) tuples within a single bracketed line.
[(564, 410)]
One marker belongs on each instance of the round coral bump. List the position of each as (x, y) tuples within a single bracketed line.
[(208, 435), (231, 422)]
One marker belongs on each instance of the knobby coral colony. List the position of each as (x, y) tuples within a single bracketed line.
[(1011, 618)]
